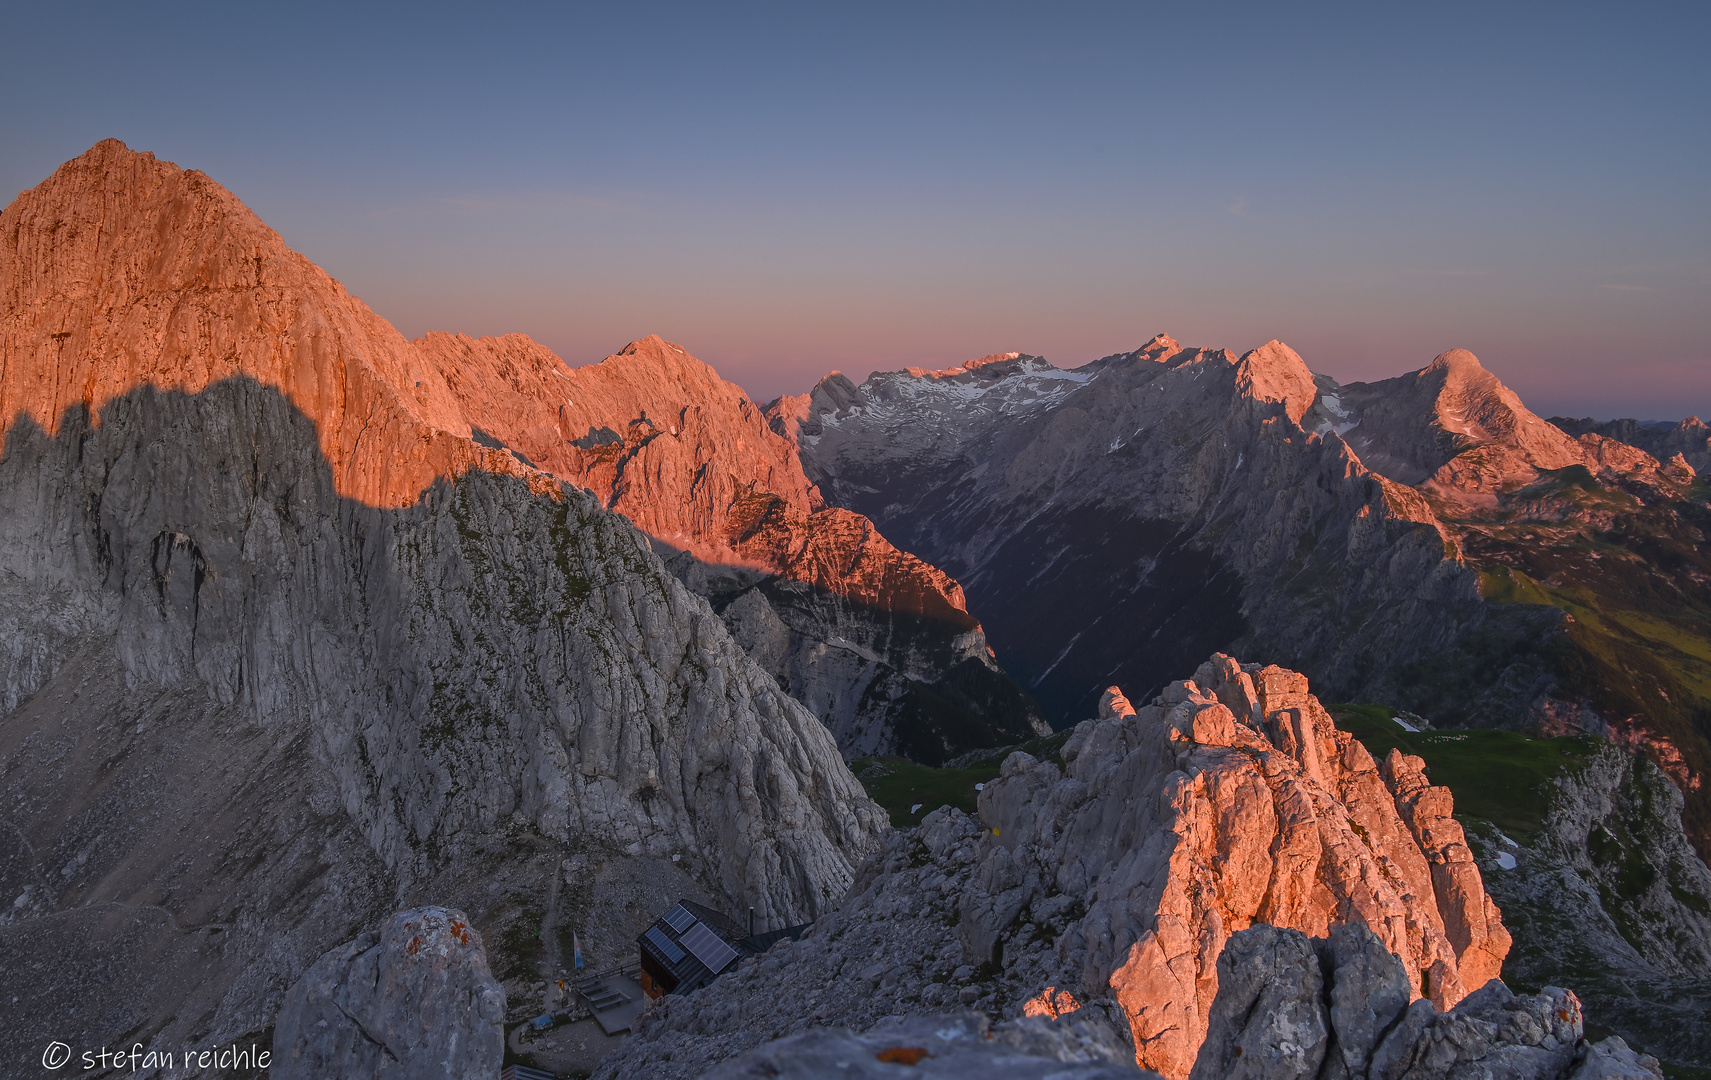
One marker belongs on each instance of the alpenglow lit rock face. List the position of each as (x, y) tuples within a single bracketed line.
[(1231, 800), (282, 649), (1116, 882)]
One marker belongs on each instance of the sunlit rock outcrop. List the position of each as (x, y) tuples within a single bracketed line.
[(1231, 800), (1114, 883)]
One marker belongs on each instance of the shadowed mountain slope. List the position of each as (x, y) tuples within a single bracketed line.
[(283, 648)]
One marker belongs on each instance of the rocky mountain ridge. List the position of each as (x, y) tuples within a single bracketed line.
[(875, 641), (284, 648), (1425, 540), (1690, 438)]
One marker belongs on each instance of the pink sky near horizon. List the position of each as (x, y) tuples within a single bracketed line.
[(789, 190), (788, 353)]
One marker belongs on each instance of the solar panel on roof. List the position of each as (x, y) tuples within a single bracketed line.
[(667, 947), (709, 948), (679, 919)]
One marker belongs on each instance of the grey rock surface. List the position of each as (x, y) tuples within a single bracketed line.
[(1613, 1059), (251, 716), (1369, 990), (953, 1046), (1189, 500), (1491, 1033), (1271, 1020), (1268, 1021), (883, 680), (1610, 900), (413, 1001)]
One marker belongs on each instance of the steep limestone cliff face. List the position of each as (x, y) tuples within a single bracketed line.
[(1424, 541), (1115, 883), (878, 643), (280, 653)]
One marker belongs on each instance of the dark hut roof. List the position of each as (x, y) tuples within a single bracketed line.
[(694, 943)]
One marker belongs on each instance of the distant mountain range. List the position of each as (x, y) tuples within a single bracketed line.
[(1424, 541)]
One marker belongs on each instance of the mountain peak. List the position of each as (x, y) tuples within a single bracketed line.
[(122, 271), (1414, 426), (1455, 360), (1275, 372), (652, 346), (107, 155), (1161, 346)]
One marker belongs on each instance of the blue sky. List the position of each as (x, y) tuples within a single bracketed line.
[(791, 189)]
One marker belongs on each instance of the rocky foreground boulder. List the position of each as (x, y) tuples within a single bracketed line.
[(1288, 1008), (1294, 1008), (413, 1001), (956, 1046)]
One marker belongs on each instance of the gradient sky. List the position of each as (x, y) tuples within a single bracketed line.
[(787, 190)]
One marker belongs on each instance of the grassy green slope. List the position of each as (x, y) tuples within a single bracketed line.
[(899, 784), (1633, 574), (1498, 776)]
